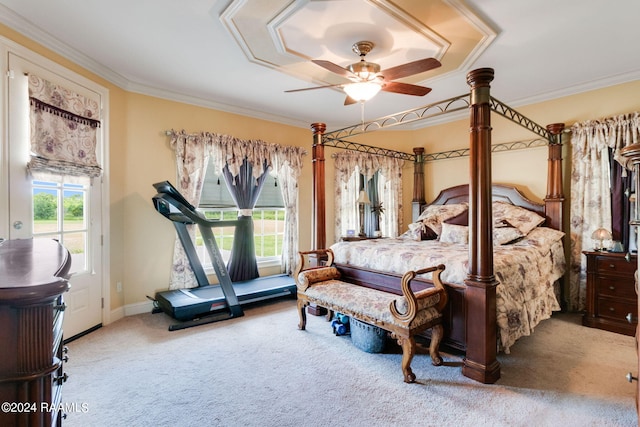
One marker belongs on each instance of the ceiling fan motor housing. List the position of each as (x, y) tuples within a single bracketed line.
[(365, 71)]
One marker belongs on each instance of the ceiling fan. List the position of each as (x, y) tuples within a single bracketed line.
[(367, 79)]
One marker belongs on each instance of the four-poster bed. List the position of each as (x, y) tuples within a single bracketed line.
[(472, 312)]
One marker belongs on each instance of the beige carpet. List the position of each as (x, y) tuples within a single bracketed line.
[(259, 370)]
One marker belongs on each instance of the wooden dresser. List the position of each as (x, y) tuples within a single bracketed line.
[(33, 277), (611, 295)]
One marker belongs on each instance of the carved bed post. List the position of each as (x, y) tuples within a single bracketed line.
[(418, 183), (632, 152), (318, 240), (481, 362), (555, 195)]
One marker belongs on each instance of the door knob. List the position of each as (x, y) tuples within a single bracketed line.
[(17, 225)]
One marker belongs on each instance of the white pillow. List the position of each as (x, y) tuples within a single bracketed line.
[(453, 233)]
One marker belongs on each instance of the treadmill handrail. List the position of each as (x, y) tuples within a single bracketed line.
[(194, 216)]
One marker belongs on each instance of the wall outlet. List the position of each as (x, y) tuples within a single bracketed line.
[(119, 287)]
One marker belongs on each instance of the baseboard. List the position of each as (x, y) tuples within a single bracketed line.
[(129, 310), (114, 315), (138, 308)]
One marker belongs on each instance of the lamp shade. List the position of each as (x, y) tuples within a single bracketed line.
[(601, 234), (362, 91), (363, 198)]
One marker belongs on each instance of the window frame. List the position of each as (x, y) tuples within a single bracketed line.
[(221, 237)]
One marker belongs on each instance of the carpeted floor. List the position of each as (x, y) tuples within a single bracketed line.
[(260, 370)]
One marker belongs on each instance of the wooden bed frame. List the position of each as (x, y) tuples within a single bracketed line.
[(454, 317), (472, 312)]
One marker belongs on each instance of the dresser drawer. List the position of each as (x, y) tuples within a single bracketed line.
[(616, 287), (615, 266), (616, 310)]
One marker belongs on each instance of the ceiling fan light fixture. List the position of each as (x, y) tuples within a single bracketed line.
[(364, 70), (362, 91)]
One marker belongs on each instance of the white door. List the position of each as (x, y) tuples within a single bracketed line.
[(67, 211)]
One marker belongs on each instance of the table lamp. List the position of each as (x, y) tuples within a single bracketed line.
[(600, 235), (363, 199)]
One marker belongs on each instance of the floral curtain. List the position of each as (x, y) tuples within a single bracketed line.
[(228, 154), (192, 157), (591, 142), (63, 127), (389, 189), (288, 164)]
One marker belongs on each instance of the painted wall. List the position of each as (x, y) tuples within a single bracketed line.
[(141, 241)]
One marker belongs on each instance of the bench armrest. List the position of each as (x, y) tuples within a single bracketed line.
[(421, 299), (309, 277), (303, 282)]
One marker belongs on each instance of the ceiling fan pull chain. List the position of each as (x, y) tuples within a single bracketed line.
[(362, 114)]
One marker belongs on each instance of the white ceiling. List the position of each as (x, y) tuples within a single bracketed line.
[(241, 55)]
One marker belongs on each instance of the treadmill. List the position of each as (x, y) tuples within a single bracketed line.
[(208, 303)]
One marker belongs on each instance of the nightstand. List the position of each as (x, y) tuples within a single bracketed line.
[(611, 296)]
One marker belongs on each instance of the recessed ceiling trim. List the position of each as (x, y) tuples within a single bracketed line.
[(274, 25), (416, 25), (226, 17), (488, 32), (270, 47)]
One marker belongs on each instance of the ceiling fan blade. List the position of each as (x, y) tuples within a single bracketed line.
[(349, 100), (312, 88), (334, 68), (410, 68), (406, 89)]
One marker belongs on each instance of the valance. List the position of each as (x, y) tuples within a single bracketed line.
[(229, 151), (368, 163), (613, 132), (63, 127)]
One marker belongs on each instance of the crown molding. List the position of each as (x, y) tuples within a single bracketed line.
[(206, 103), (579, 88), (28, 29)]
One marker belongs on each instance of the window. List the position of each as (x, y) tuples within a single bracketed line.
[(268, 219), (379, 195), (59, 213), (381, 178)]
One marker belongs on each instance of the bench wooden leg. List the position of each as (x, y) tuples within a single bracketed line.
[(436, 336), (302, 305), (408, 345)]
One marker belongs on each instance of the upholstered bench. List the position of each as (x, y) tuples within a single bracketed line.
[(402, 315)]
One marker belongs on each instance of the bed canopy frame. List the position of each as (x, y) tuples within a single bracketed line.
[(480, 362)]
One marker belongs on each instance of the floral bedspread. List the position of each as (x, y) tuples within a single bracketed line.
[(526, 272)]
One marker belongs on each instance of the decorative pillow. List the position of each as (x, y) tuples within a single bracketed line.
[(427, 233), (418, 231), (414, 232), (505, 235), (434, 215), (543, 236), (460, 219), (452, 233), (515, 216)]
